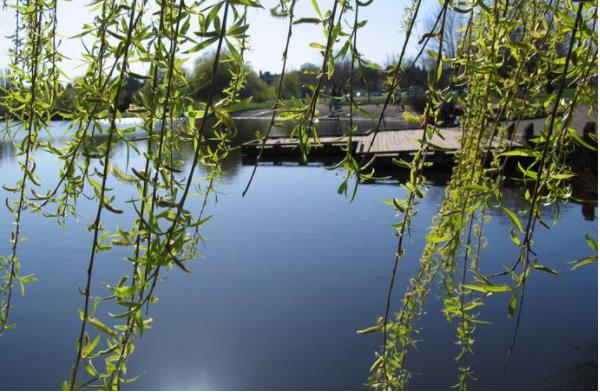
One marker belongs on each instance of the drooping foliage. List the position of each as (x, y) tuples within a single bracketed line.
[(504, 62)]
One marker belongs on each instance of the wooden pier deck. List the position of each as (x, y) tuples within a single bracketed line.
[(384, 143), (396, 142), (406, 142)]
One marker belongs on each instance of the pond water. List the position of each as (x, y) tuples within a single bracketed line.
[(288, 274)]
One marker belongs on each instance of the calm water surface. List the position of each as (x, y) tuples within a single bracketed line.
[(288, 274)]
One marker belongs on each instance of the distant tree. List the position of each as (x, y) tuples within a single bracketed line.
[(453, 25), (126, 96), (5, 86), (307, 76), (371, 78), (415, 76), (268, 77), (5, 83), (256, 88), (66, 100), (291, 85), (339, 83), (201, 76)]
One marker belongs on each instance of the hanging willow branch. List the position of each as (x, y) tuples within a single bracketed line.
[(290, 12), (469, 189), (510, 53), (540, 179), (100, 189), (33, 69)]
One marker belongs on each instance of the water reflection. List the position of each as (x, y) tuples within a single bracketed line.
[(288, 274), (584, 184)]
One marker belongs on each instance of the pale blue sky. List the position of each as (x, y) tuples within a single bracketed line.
[(378, 40)]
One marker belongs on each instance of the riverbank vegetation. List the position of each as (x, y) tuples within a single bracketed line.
[(259, 90), (503, 59)]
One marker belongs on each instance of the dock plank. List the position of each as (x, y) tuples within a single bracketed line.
[(381, 143)]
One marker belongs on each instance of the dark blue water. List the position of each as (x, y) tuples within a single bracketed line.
[(288, 274)]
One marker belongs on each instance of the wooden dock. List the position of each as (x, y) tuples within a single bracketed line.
[(404, 143), (383, 143)]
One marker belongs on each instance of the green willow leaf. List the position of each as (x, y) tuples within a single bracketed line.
[(375, 328), (488, 288), (512, 305), (542, 268), (308, 20), (584, 261), (514, 218)]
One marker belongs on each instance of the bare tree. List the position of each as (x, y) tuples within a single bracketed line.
[(453, 27)]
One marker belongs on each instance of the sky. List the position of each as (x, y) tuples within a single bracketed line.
[(378, 41)]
